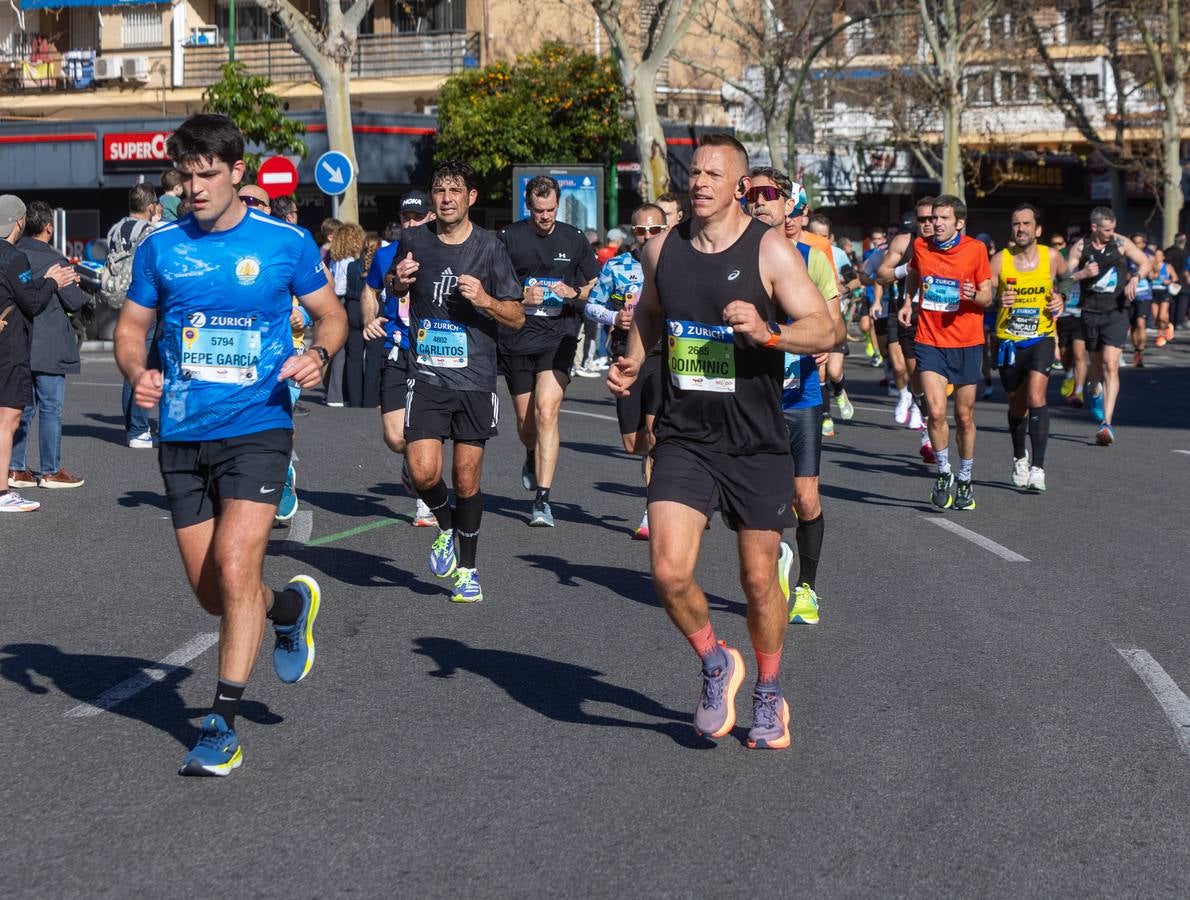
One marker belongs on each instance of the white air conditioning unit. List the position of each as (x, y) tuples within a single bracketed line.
[(136, 68), (108, 67)]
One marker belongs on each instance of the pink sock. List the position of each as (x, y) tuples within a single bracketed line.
[(703, 641), (768, 670)]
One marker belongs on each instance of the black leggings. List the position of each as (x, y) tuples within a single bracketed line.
[(362, 361)]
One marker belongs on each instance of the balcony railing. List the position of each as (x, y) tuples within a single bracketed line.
[(377, 56)]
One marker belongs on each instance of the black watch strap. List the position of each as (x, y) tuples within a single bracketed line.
[(322, 354)]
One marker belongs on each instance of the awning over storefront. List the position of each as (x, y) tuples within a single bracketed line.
[(105, 4)]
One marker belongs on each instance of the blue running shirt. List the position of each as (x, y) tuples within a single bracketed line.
[(396, 329), (800, 387), (223, 301)]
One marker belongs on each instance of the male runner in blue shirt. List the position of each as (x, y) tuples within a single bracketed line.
[(219, 283)]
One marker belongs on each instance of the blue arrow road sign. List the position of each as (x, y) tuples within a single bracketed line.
[(333, 172)]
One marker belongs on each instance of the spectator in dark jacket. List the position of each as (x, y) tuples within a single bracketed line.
[(22, 297), (53, 354)]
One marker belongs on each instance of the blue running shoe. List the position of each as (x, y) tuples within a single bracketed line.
[(217, 751), (543, 516), (293, 653), (467, 589), (1095, 405), (443, 561), (1105, 436), (288, 504)]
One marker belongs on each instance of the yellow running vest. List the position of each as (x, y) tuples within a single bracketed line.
[(1028, 317)]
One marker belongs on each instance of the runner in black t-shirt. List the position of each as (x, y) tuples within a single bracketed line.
[(556, 269), (461, 288), (716, 288)]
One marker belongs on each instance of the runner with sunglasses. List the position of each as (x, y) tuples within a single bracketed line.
[(771, 199), (612, 303)]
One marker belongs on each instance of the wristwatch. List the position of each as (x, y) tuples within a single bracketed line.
[(774, 335), (322, 354)]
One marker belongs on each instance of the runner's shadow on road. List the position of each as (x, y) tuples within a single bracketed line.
[(620, 490), (133, 499), (837, 492), (557, 690), (630, 583), (606, 450), (114, 434), (344, 503), (85, 676), (519, 510), (355, 567)]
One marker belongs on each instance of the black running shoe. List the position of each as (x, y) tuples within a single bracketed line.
[(941, 496), (964, 497)]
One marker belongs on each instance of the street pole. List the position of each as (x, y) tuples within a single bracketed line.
[(231, 31), (335, 205), (613, 194)]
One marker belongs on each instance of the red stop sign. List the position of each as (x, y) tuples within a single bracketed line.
[(278, 176)]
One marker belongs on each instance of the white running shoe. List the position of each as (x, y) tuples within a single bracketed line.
[(422, 517), (1020, 471), (915, 421), (11, 501), (1037, 480), (904, 401)]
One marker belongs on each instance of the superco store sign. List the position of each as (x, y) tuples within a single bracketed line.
[(135, 151)]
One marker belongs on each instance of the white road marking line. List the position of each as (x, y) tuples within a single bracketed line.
[(590, 415), (1185, 452), (1174, 703), (978, 539), (302, 527), (147, 677)]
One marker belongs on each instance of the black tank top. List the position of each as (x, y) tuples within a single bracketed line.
[(721, 392), (1104, 292)]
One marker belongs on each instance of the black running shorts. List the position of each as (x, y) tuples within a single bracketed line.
[(753, 492), (520, 370), (805, 439), (394, 382), (437, 413), (1104, 329), (644, 397), (16, 386), (1037, 358), (1070, 329), (200, 475)]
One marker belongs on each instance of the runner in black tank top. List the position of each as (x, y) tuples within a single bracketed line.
[(721, 393), (1099, 265), (714, 290)]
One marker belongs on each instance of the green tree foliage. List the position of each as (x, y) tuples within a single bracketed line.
[(248, 101), (555, 105)]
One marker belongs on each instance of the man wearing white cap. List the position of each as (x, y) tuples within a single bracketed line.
[(21, 298)]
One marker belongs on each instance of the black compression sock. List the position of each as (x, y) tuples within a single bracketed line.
[(1018, 429), (809, 549), (1039, 433), (437, 498), (227, 700), (543, 495), (468, 514), (286, 607)]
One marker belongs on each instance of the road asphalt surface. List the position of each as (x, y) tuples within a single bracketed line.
[(993, 711)]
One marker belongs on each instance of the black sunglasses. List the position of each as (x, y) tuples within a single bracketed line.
[(765, 192), (921, 219), (252, 201), (642, 230)]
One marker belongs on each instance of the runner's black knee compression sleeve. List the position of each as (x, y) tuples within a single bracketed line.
[(468, 514), (1039, 433), (809, 549)]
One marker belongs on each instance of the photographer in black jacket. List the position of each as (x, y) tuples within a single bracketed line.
[(22, 297), (54, 353)]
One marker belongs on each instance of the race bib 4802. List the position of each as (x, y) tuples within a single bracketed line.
[(441, 344), (701, 357)]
